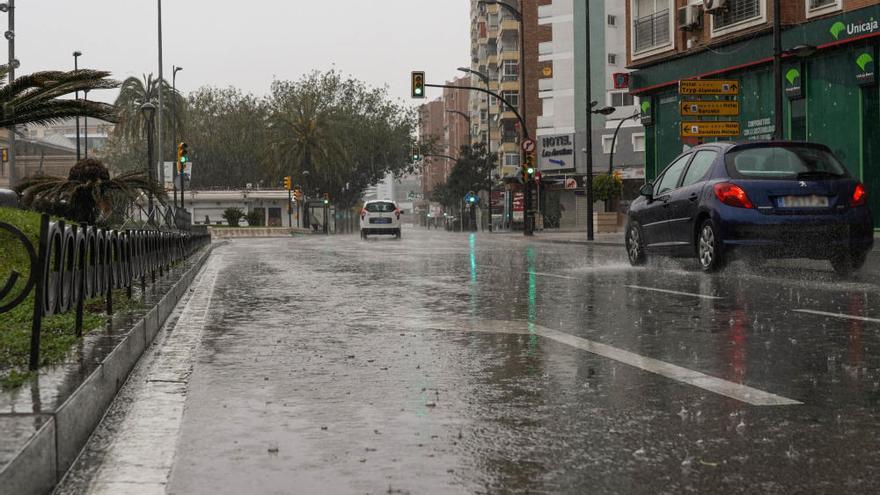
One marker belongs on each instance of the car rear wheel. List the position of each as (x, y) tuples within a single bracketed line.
[(709, 250), (635, 246), (847, 263)]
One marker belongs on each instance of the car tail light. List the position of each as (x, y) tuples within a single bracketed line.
[(859, 196), (363, 213), (732, 195)]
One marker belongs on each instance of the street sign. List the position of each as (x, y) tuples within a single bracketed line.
[(528, 145), (710, 108), (710, 129), (708, 87)]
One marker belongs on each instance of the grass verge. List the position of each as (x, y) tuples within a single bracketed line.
[(58, 335)]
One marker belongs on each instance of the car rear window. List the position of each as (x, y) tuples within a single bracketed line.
[(380, 207), (783, 162)]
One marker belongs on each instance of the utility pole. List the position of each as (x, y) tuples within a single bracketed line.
[(589, 95), (10, 35), (778, 132), (159, 125), (174, 174), (76, 55)]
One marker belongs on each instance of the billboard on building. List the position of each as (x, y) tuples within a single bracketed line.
[(556, 153)]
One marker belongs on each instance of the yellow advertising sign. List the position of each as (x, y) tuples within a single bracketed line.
[(710, 108), (710, 129), (708, 87)]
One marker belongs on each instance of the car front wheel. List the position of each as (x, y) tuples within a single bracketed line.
[(635, 245), (709, 248)]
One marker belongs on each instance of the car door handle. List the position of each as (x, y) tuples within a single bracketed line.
[(694, 197)]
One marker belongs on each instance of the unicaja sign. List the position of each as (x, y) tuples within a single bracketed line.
[(853, 28)]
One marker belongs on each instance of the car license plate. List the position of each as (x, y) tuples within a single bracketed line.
[(813, 201), (380, 220)]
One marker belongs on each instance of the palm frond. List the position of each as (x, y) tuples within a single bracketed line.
[(55, 111)]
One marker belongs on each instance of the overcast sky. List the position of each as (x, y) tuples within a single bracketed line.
[(247, 43)]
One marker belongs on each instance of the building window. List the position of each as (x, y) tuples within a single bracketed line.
[(612, 59), (511, 159), (508, 133), (738, 12), (606, 144), (621, 99), (638, 141), (820, 7), (612, 20), (651, 24), (512, 98), (510, 71)]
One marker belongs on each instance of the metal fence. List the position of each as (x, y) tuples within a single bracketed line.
[(74, 263)]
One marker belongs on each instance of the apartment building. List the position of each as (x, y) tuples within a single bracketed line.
[(431, 123), (495, 54), (555, 81), (830, 87)]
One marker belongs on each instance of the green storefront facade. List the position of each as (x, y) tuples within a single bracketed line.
[(831, 97)]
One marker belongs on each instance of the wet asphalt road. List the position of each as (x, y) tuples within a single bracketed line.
[(455, 363)]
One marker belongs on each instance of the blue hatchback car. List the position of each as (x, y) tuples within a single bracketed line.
[(762, 199)]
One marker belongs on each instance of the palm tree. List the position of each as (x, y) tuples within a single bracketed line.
[(133, 94), (37, 98), (308, 130), (86, 192)]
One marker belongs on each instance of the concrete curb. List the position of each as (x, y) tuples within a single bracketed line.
[(50, 452)]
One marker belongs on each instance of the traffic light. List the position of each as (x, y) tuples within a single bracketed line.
[(326, 198), (297, 194), (416, 153), (287, 183), (182, 156), (528, 168), (418, 84)]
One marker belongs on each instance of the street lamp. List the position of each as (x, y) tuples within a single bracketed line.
[(76, 55), (86, 125), (149, 112), (174, 70), (485, 78), (9, 8)]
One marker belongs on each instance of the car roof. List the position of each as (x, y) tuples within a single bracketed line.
[(380, 201)]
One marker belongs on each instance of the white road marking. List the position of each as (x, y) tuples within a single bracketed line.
[(838, 315), (675, 292), (706, 382), (553, 275)]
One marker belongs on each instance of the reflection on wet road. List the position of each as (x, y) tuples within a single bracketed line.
[(449, 363)]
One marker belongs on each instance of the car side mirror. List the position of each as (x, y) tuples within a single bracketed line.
[(647, 190)]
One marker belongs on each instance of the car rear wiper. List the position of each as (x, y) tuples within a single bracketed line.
[(817, 174)]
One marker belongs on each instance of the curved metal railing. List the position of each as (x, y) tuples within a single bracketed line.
[(74, 263)]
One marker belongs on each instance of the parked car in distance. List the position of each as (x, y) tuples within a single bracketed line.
[(381, 217), (766, 199)]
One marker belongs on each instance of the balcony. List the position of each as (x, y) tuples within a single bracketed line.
[(509, 25), (651, 31), (510, 84), (511, 55)]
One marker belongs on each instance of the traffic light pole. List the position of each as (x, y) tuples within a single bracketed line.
[(527, 185), (289, 209)]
